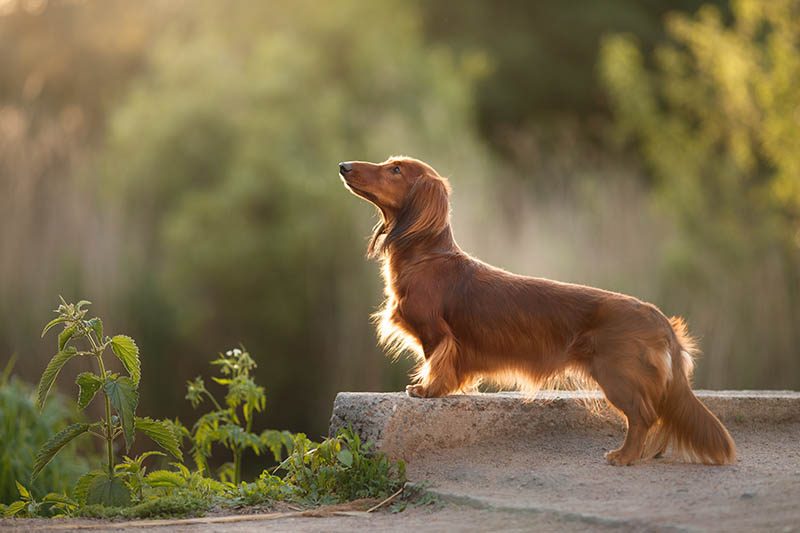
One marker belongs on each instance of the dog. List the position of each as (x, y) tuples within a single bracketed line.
[(468, 320)]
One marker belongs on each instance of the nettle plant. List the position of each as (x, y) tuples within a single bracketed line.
[(81, 337), (232, 425)]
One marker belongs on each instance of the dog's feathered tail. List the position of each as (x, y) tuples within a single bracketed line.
[(685, 424)]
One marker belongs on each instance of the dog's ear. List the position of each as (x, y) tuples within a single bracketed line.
[(425, 213), (378, 232)]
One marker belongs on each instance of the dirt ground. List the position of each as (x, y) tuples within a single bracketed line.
[(564, 474), (557, 481)]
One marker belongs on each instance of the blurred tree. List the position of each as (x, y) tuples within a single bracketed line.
[(62, 65), (223, 157), (539, 53), (717, 120)]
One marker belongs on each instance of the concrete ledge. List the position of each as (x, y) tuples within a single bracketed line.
[(405, 428)]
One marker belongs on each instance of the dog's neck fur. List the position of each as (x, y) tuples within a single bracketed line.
[(400, 263)]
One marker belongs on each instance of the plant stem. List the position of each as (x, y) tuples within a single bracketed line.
[(237, 453), (214, 400), (237, 466), (98, 351), (109, 429)]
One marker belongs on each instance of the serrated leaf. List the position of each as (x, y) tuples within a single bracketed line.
[(23, 491), (89, 384), (13, 509), (54, 497), (182, 468), (111, 492), (82, 485), (276, 441), (52, 323), (233, 436), (165, 478), (127, 467), (97, 326), (50, 373), (50, 448), (127, 351), (65, 336), (124, 397), (145, 455), (161, 433)]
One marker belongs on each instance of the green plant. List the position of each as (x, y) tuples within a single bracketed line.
[(164, 493), (55, 505), (340, 469), (416, 495), (135, 471), (107, 487), (232, 425), (24, 429)]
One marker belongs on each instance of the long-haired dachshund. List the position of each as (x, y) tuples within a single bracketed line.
[(467, 320)]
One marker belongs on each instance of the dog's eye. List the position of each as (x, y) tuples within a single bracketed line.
[(395, 170)]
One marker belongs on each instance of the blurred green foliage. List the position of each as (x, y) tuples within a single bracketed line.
[(716, 120), (541, 53), (24, 430), (222, 158)]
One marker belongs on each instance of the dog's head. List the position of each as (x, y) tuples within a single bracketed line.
[(411, 196)]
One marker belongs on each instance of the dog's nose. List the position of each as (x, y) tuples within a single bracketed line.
[(344, 168)]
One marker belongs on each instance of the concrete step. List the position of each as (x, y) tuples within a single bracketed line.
[(405, 428)]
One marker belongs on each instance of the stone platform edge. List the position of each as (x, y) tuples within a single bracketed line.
[(404, 427)]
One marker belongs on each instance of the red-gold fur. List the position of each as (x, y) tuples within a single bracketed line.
[(468, 320)]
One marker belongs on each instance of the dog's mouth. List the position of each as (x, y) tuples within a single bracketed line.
[(361, 193), (349, 185)]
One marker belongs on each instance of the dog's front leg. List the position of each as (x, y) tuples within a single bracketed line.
[(439, 374)]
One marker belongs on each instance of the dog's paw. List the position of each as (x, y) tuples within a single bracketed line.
[(415, 391), (616, 458)]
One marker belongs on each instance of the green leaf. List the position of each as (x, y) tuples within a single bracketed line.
[(82, 485), (65, 336), (128, 353), (345, 456), (14, 508), (97, 326), (50, 373), (111, 492), (276, 441), (89, 384), (81, 304), (59, 498), (52, 323), (165, 478), (222, 381), (50, 448), (124, 397), (233, 436), (145, 455), (23, 491), (161, 433)]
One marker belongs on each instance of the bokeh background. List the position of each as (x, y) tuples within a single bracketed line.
[(175, 162)]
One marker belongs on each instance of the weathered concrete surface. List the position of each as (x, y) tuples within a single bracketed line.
[(406, 428), (500, 454)]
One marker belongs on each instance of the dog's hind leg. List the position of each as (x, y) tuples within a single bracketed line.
[(623, 379), (438, 375)]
